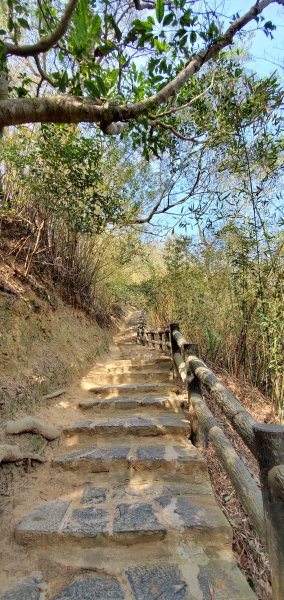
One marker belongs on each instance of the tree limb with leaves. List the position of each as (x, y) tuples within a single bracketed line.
[(95, 52)]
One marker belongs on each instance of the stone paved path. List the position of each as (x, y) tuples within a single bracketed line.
[(142, 522)]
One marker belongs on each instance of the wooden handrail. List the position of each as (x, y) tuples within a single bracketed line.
[(266, 442)]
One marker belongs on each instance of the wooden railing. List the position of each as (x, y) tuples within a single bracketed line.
[(265, 508)]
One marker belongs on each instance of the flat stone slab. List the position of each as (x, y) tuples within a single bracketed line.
[(46, 518), (156, 490), (138, 510), (104, 378), (88, 521), (200, 579), (162, 581), (28, 588), (129, 388), (136, 364), (96, 460), (140, 366), (170, 458), (94, 495), (136, 425), (224, 581), (137, 518), (92, 588), (130, 403)]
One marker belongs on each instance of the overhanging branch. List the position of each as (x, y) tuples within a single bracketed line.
[(47, 42), (69, 109)]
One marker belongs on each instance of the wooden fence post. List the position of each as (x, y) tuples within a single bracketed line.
[(269, 441), (174, 347), (197, 435)]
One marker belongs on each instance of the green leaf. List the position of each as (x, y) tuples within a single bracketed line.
[(143, 25), (117, 31), (160, 9), (11, 24), (186, 19), (95, 26), (101, 85), (92, 88), (23, 22), (161, 46), (168, 19)]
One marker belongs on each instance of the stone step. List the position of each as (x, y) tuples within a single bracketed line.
[(138, 351), (132, 402), (127, 514), (103, 377), (168, 459), (200, 577), (135, 362), (161, 367), (137, 425), (132, 388)]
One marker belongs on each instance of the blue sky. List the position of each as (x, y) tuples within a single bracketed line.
[(264, 53), (263, 50)]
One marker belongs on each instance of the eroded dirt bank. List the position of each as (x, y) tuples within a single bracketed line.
[(42, 348)]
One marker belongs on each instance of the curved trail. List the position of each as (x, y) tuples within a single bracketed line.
[(125, 510)]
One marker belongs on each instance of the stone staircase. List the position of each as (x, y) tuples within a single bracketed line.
[(140, 520)]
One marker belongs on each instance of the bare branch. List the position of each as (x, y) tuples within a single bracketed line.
[(159, 123), (47, 42), (156, 210), (42, 73)]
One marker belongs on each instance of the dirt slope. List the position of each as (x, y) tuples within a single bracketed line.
[(43, 346)]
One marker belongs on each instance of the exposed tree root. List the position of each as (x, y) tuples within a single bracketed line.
[(55, 394), (13, 453), (31, 424)]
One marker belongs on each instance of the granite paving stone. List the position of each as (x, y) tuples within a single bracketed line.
[(163, 582), (73, 455), (94, 495), (89, 521), (92, 588), (151, 452), (224, 580), (131, 386), (194, 514), (137, 517), (28, 588), (45, 518), (132, 425), (89, 454)]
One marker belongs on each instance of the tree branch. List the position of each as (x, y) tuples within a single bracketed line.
[(42, 73), (47, 42), (142, 5), (68, 109), (156, 208), (159, 123)]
